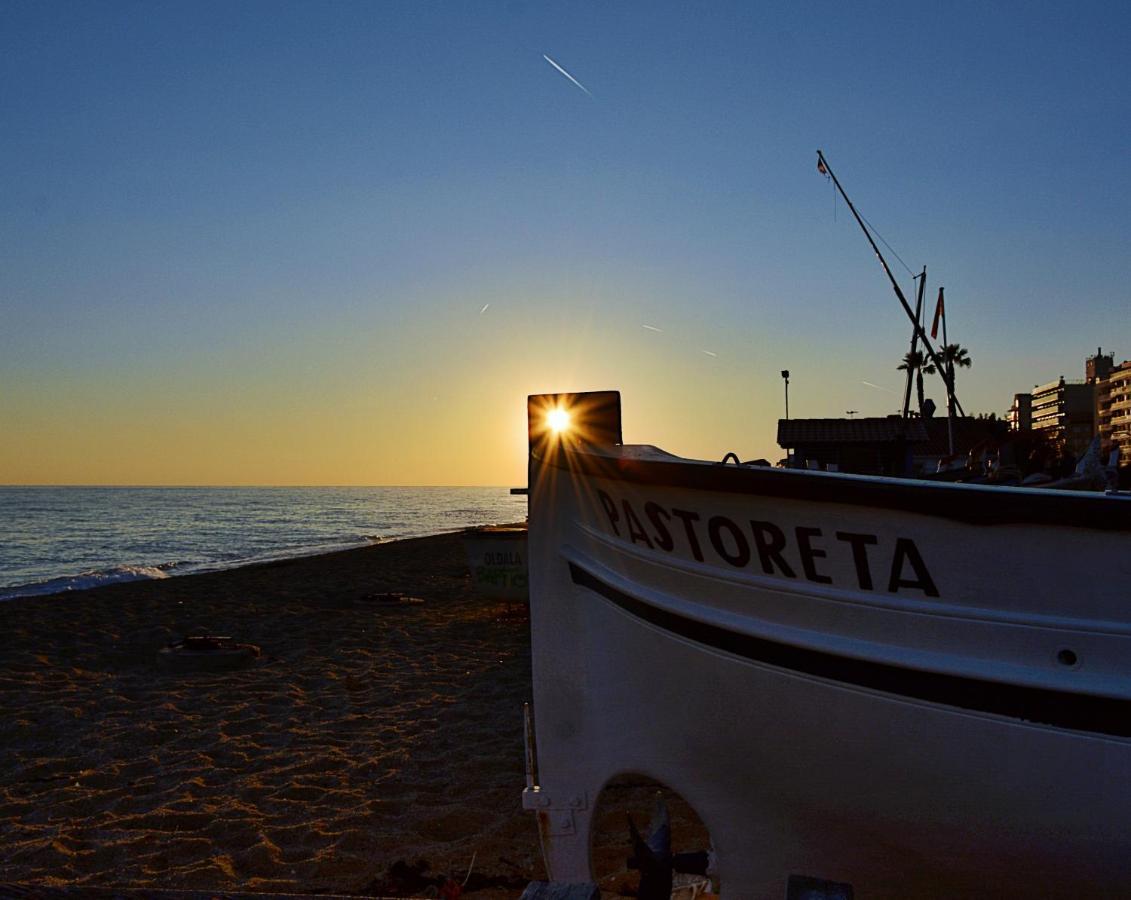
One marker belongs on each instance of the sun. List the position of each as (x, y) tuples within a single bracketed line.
[(558, 420)]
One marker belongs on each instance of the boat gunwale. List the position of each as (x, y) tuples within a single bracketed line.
[(976, 504)]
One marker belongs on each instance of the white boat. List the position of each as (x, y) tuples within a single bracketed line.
[(917, 688)]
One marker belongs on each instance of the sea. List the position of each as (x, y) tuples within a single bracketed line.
[(74, 538)]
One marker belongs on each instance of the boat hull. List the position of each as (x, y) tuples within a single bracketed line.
[(917, 698)]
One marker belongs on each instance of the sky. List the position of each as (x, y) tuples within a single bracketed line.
[(339, 243)]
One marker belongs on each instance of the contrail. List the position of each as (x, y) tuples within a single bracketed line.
[(709, 353), (878, 388), (653, 328), (566, 74), (484, 309)]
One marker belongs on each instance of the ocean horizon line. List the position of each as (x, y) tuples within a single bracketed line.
[(251, 486)]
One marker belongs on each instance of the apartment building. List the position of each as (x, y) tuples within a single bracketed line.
[(1065, 410), (1113, 402), (1020, 415), (1072, 412)]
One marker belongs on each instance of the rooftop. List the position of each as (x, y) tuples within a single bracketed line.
[(797, 432)]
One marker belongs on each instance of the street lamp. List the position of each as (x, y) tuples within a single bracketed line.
[(785, 376)]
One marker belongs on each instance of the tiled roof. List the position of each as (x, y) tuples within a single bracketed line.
[(798, 432)]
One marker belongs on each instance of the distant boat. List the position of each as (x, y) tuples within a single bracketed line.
[(917, 688)]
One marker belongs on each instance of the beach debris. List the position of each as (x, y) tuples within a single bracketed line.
[(804, 887), (653, 857), (561, 890), (405, 879), (690, 887), (664, 873), (1090, 473), (394, 598), (207, 653)]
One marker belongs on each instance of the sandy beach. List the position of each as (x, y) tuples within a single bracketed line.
[(373, 739), (375, 747)]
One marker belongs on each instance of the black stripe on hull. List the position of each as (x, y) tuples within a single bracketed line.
[(996, 506), (1061, 709)]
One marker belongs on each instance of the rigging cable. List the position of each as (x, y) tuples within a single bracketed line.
[(889, 246), (873, 228)]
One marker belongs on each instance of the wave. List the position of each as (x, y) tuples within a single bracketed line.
[(87, 580), (96, 578)]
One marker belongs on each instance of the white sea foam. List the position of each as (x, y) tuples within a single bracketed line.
[(85, 581), (116, 574), (75, 539)]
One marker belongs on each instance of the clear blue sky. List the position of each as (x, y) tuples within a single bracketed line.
[(230, 227)]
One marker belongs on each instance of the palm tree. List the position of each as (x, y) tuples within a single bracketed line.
[(914, 361), (953, 355), (956, 355)]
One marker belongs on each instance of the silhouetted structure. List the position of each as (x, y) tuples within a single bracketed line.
[(1069, 414), (872, 446), (1020, 415), (1065, 411)]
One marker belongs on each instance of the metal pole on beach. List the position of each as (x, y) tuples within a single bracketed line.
[(948, 377), (914, 341), (825, 169)]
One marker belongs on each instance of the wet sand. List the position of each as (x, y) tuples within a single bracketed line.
[(371, 734)]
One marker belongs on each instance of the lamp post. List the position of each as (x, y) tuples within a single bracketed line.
[(785, 376)]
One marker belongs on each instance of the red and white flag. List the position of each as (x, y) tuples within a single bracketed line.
[(939, 313)]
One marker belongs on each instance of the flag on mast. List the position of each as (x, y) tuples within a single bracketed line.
[(939, 313)]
